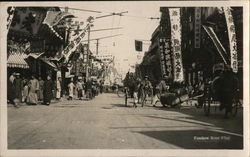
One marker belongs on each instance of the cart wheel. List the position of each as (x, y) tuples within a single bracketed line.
[(120, 93), (206, 106)]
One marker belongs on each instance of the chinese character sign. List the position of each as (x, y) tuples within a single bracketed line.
[(232, 38), (74, 44), (197, 27), (176, 44)]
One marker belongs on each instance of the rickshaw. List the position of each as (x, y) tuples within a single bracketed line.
[(174, 97), (210, 98)]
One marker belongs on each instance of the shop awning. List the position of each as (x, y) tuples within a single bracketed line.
[(17, 60)]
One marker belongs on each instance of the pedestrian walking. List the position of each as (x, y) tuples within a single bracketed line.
[(18, 87), (83, 87), (101, 86), (11, 92), (47, 91), (25, 91), (33, 89), (71, 87), (89, 88), (41, 87), (79, 88), (58, 88)]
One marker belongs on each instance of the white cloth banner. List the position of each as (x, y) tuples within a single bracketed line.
[(73, 44), (176, 43), (232, 38)]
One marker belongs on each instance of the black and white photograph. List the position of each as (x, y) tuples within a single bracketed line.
[(125, 78)]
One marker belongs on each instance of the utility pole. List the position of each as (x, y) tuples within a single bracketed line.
[(88, 52), (90, 21), (97, 44)]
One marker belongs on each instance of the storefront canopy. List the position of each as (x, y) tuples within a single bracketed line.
[(17, 60)]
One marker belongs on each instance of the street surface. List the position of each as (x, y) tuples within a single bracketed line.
[(105, 123)]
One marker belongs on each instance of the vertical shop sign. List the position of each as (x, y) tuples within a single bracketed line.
[(232, 38), (165, 54), (74, 44), (162, 58), (197, 27), (176, 44)]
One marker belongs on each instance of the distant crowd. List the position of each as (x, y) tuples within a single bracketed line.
[(34, 91)]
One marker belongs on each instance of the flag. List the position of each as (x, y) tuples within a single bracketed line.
[(138, 45)]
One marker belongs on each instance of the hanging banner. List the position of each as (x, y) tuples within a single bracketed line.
[(176, 44), (165, 57), (232, 38), (197, 27), (73, 44), (162, 57), (217, 43)]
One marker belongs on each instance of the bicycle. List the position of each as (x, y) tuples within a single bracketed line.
[(121, 92)]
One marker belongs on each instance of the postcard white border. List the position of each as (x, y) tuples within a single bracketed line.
[(124, 152)]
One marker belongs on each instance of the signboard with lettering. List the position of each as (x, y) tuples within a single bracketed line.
[(232, 38), (74, 44), (165, 55), (176, 44), (197, 27)]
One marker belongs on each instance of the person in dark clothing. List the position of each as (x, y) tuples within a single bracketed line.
[(227, 89), (89, 88), (47, 92), (18, 87), (11, 92), (133, 85), (101, 87)]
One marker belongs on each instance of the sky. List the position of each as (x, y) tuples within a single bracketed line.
[(135, 24)]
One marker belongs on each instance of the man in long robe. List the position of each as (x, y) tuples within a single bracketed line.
[(47, 91), (33, 89), (18, 87), (41, 87)]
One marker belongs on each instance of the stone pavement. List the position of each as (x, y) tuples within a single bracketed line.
[(106, 123)]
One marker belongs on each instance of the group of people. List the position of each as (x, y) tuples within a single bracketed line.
[(31, 91), (81, 88), (224, 88)]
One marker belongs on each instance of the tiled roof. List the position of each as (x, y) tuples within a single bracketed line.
[(16, 60)]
